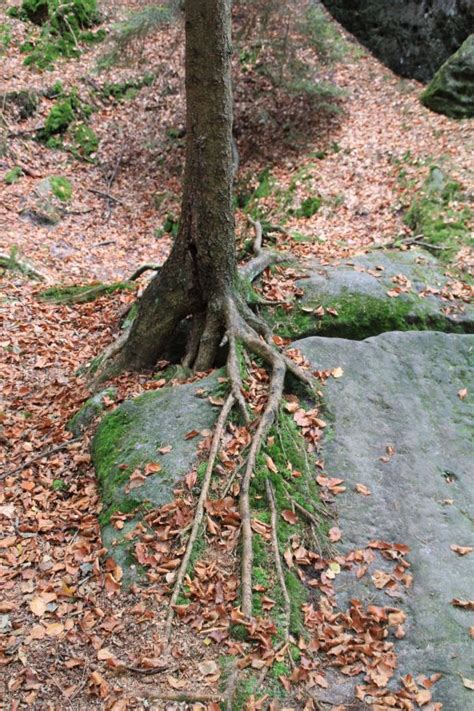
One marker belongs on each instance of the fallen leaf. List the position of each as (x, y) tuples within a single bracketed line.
[(289, 516), (207, 668), (363, 489), (468, 683), (461, 550), (54, 629), (462, 394), (176, 683), (465, 604), (271, 464), (337, 372), (335, 534), (38, 606)]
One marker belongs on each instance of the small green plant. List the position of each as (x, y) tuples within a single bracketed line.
[(59, 118), (13, 175), (308, 207), (86, 141), (5, 37), (59, 485), (61, 188)]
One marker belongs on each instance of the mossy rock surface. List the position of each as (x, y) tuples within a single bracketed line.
[(356, 293), (130, 437), (90, 409), (451, 91), (401, 390)]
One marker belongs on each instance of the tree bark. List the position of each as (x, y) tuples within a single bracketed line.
[(201, 272)]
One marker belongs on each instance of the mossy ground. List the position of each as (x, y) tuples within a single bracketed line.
[(62, 28)]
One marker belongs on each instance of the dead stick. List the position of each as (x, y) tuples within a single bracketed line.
[(199, 510), (45, 453)]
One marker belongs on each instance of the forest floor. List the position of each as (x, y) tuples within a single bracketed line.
[(62, 611)]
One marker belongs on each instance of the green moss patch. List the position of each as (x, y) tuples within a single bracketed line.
[(443, 215), (358, 317), (82, 293), (64, 25)]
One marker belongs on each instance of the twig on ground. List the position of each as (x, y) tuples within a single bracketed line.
[(190, 696), (106, 196), (198, 516), (44, 453)]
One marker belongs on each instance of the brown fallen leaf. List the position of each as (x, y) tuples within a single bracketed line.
[(363, 489), (54, 629), (271, 464), (462, 394), (468, 683), (461, 550), (337, 372), (38, 606), (289, 516), (176, 683), (191, 435), (335, 534), (465, 604)]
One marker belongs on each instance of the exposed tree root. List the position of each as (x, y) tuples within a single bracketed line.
[(144, 268), (189, 696), (277, 556), (199, 511)]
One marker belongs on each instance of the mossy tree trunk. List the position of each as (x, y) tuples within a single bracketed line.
[(200, 274)]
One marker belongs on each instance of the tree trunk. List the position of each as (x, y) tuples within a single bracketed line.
[(200, 273)]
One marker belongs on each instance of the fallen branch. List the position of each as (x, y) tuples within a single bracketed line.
[(106, 196), (10, 261), (44, 453), (198, 516), (189, 696)]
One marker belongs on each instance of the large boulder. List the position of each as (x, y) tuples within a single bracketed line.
[(372, 293), (407, 392), (154, 428), (451, 91), (412, 37)]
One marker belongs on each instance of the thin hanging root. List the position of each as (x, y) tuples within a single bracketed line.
[(277, 556), (224, 414), (266, 421), (235, 379), (238, 328)]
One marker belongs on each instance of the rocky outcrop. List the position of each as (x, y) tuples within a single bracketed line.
[(412, 37), (401, 425), (451, 91)]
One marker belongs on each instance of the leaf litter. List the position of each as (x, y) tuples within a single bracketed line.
[(77, 639)]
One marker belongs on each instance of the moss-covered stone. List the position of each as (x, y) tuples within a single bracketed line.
[(91, 409), (442, 214), (131, 436), (451, 91), (359, 298), (63, 25)]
